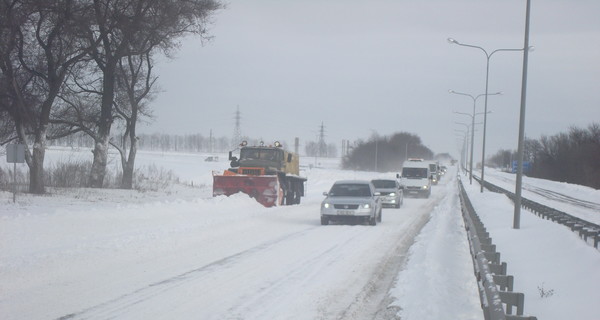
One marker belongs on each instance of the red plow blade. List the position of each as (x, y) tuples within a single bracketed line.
[(265, 189)]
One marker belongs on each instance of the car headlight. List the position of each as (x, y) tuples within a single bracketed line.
[(392, 194), (326, 205), (366, 206)]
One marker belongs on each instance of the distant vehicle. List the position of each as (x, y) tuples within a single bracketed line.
[(390, 192), (444, 169), (434, 171), (212, 159), (351, 200), (416, 178)]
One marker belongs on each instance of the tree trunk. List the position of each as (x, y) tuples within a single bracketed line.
[(99, 164), (104, 125), (129, 165), (36, 170), (127, 179)]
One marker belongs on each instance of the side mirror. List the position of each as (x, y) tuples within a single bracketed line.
[(398, 175), (230, 155), (325, 193)]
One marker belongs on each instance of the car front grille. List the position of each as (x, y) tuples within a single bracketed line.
[(345, 206)]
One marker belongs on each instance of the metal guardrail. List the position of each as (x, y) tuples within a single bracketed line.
[(586, 230), (495, 285)]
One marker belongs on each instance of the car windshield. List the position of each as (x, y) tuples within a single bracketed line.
[(384, 184), (350, 190), (414, 173)]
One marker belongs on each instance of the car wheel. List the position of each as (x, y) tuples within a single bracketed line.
[(324, 221), (379, 216), (373, 221), (398, 205)]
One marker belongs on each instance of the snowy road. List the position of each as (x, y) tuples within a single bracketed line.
[(335, 271), (202, 258)]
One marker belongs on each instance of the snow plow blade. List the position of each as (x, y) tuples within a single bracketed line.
[(265, 189)]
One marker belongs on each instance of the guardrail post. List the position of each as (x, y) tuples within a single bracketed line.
[(506, 283), (511, 299)]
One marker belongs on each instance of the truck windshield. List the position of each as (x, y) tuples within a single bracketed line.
[(261, 154), (414, 173), (350, 190)]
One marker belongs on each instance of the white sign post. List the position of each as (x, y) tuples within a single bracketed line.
[(15, 153)]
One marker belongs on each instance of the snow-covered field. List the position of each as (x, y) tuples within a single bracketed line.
[(576, 200), (178, 253)]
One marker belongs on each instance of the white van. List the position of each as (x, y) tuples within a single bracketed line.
[(434, 171), (416, 178)]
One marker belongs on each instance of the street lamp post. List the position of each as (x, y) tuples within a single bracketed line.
[(487, 73), (474, 98), (464, 158), (517, 212)]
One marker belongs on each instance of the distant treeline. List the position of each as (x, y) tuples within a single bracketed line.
[(385, 154), (190, 143), (572, 157)]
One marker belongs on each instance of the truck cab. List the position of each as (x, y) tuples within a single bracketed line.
[(416, 178)]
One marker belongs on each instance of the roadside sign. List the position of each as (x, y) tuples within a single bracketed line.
[(526, 166), (15, 153)]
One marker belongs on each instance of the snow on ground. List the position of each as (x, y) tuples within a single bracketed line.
[(179, 253), (557, 271), (438, 281), (576, 200)]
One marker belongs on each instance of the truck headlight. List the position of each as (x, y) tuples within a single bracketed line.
[(326, 205), (425, 187), (366, 206), (393, 194)]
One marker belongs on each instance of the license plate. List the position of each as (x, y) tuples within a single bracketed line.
[(346, 212)]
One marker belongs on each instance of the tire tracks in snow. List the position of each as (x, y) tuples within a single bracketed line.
[(554, 195), (114, 307), (374, 301)]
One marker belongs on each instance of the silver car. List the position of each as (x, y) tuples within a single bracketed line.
[(354, 200), (390, 191)]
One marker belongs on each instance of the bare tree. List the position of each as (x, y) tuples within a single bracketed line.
[(135, 83), (44, 37), (135, 27)]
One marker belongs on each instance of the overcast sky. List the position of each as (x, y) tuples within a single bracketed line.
[(383, 66)]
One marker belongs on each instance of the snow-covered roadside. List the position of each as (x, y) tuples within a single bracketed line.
[(576, 200), (558, 272), (438, 280)]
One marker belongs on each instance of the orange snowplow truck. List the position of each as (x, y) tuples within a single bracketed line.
[(267, 173)]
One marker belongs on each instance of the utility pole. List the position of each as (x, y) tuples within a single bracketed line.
[(210, 142), (237, 134), (322, 146)]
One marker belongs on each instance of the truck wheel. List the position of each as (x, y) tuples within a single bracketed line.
[(289, 198)]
